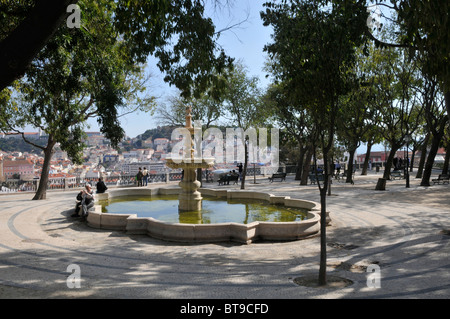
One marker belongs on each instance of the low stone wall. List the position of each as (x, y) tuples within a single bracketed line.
[(199, 233)]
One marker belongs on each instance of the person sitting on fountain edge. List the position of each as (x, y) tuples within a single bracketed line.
[(101, 186), (86, 201)]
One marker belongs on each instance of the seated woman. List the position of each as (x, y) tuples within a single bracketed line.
[(86, 197)]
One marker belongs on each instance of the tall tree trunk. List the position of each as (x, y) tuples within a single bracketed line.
[(367, 158), (447, 159), (300, 163), (41, 192), (447, 102), (413, 155), (307, 165), (423, 156), (350, 166), (437, 137), (387, 169), (244, 172)]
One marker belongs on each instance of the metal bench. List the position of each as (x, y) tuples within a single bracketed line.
[(396, 174), (226, 179), (444, 178), (281, 176)]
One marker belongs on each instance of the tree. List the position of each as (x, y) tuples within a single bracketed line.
[(436, 120), (357, 116), (94, 65), (294, 119), (175, 31), (397, 80), (205, 108), (79, 74), (314, 43), (242, 100), (423, 30), (25, 29)]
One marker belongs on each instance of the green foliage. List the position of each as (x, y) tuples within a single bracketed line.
[(242, 98), (425, 29), (12, 12), (313, 55), (179, 35)]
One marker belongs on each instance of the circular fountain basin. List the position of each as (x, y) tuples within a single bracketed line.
[(214, 210), (240, 216)]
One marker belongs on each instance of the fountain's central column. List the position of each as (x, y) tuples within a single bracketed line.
[(190, 199)]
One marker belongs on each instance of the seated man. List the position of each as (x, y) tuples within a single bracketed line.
[(86, 198), (101, 186)]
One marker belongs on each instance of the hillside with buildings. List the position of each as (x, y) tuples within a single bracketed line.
[(20, 161)]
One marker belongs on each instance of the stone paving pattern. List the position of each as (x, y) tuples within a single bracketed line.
[(401, 230)]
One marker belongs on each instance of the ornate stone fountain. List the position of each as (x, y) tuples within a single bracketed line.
[(190, 199)]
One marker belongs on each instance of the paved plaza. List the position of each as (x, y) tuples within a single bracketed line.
[(402, 231)]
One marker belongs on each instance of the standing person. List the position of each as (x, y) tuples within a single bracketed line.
[(145, 176), (139, 177), (240, 171)]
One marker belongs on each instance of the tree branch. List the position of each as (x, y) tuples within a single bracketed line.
[(24, 43)]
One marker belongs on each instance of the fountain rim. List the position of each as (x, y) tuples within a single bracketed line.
[(201, 233)]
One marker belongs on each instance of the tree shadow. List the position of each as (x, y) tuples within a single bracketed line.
[(116, 265)]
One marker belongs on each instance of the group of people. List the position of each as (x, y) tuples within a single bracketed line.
[(142, 177), (399, 163)]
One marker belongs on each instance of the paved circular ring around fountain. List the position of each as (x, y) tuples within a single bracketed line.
[(201, 233)]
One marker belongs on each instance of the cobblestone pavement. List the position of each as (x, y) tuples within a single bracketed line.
[(402, 231)]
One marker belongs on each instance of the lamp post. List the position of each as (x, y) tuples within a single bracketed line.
[(407, 140)]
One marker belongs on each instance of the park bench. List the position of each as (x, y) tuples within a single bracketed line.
[(226, 179), (396, 174), (444, 178), (313, 178), (281, 176)]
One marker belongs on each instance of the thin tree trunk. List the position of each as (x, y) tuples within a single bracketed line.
[(244, 172), (423, 156), (41, 192), (413, 155), (300, 163), (447, 102), (387, 169), (367, 158), (432, 154), (350, 166), (306, 166), (447, 159)]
